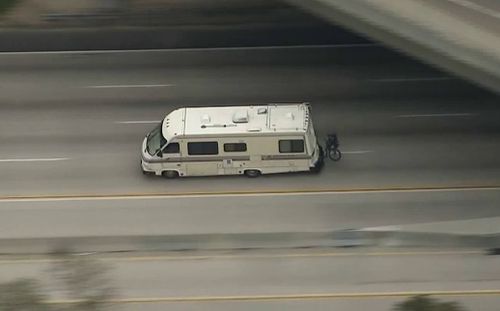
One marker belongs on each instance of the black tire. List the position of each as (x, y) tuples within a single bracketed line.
[(170, 174), (321, 161), (252, 173), (146, 172), (321, 152), (334, 154)]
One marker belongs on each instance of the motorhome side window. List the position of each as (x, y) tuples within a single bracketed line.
[(171, 148), (291, 146), (203, 148), (235, 147)]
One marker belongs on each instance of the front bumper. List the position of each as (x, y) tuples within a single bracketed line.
[(145, 170)]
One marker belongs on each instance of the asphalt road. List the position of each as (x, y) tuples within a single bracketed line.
[(72, 123), (320, 279), (183, 36), (237, 214), (194, 24)]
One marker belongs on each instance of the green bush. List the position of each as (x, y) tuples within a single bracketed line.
[(426, 303), (22, 295), (83, 279), (78, 278), (6, 5)]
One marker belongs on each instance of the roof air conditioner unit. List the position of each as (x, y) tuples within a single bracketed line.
[(240, 117), (205, 119)]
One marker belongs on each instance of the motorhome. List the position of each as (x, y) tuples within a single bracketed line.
[(233, 140)]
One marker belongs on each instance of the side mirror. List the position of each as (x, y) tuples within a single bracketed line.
[(160, 154)]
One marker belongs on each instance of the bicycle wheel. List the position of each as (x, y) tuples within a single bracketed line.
[(334, 154)]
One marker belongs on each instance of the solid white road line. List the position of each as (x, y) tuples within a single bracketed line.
[(423, 79), (237, 48), (127, 86), (138, 122), (34, 160), (434, 115), (357, 152)]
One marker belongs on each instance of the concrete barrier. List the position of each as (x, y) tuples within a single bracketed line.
[(349, 238), (19, 40)]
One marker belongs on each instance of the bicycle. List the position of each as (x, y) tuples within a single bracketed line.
[(332, 147)]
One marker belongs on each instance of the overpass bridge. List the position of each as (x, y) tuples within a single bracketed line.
[(460, 36)]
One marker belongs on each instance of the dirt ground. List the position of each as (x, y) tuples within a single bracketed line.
[(63, 13)]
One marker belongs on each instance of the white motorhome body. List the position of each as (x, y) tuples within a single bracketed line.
[(250, 140)]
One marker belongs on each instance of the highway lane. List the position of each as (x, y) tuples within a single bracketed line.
[(70, 130), (314, 279), (72, 123), (237, 214)]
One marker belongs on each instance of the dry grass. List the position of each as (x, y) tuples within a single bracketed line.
[(5, 5)]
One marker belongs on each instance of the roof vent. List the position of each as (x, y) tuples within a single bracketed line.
[(240, 117), (290, 116), (205, 119), (262, 110)]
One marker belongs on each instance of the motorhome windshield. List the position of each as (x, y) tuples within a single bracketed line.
[(155, 140)]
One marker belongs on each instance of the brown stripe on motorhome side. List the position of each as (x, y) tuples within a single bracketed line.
[(235, 158)]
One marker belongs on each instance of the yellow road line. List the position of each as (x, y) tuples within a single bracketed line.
[(299, 255), (254, 256), (460, 293), (302, 191)]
